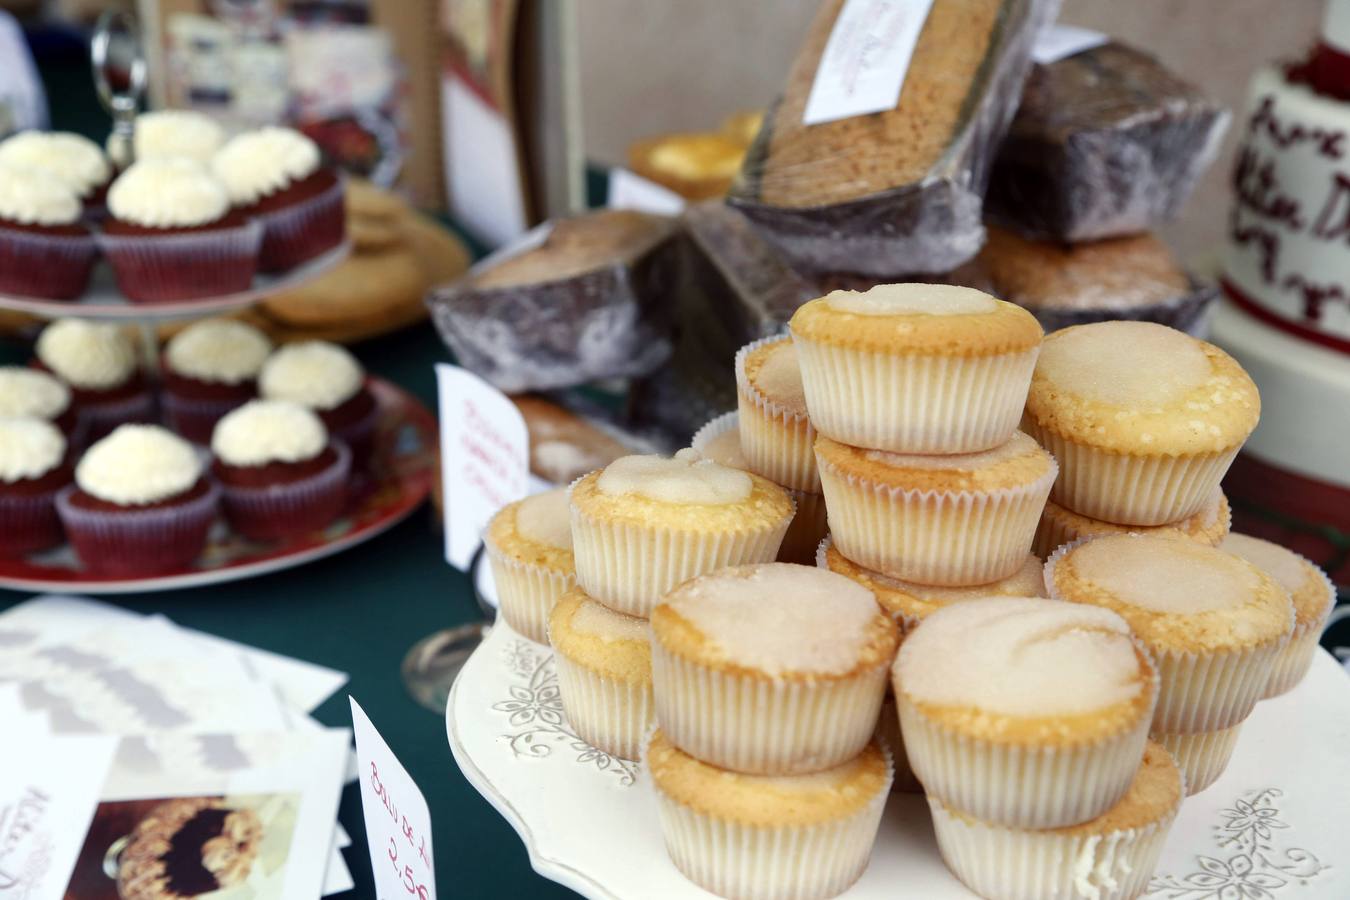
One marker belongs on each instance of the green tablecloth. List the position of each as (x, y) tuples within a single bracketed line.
[(360, 611)]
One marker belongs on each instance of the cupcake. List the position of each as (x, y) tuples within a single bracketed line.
[(73, 159), (751, 837), (950, 520), (604, 662), (915, 368), (32, 393), (772, 669), (1214, 623), (1143, 419), (140, 504), (171, 235), (280, 475), (177, 132), (776, 435), (529, 546), (45, 250), (1203, 756), (1313, 595), (643, 524), (1110, 857), (1025, 712), (210, 368), (276, 175), (33, 468), (98, 362), (720, 441), (329, 380), (1060, 526)]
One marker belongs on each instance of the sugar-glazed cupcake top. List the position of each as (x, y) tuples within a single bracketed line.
[(720, 441), (1018, 462), (1140, 387), (168, 192), (268, 431), (612, 643), (770, 369), (255, 164), (536, 531), (30, 392), (29, 448), (777, 620), (178, 132), (218, 350), (1178, 595), (683, 480), (88, 355), (316, 374), (137, 465), (72, 159), (31, 196), (1308, 586), (931, 319)]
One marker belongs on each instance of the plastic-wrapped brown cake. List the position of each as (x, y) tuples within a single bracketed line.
[(187, 848)]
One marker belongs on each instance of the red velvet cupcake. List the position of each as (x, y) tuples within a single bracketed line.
[(280, 474), (171, 234), (73, 159), (33, 468), (275, 175), (29, 393), (98, 362), (140, 504), (208, 369), (45, 251), (326, 378)]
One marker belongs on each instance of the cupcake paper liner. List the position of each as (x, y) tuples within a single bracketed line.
[(132, 541), (933, 537), (806, 530), (888, 735), (1203, 756), (100, 418), (28, 523), (761, 725), (1292, 663), (777, 443), (608, 713), (912, 403), (1054, 532), (293, 508), (1002, 863), (303, 230), (194, 418), (1129, 489), (756, 862), (713, 429), (184, 266), (526, 593), (46, 266), (359, 436)]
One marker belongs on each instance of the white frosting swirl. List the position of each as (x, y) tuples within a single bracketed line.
[(137, 465), (316, 374), (168, 192), (29, 448), (91, 355), (28, 392), (218, 350), (32, 196), (72, 159), (266, 431), (257, 163), (177, 132)]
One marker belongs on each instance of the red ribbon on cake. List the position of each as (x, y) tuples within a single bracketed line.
[(1250, 306)]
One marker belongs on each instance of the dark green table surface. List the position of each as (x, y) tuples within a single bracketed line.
[(360, 611)]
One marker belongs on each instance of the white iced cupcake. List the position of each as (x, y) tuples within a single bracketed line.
[(72, 159), (177, 132), (328, 379), (529, 546), (776, 435), (1024, 712), (29, 393), (98, 361), (771, 669)]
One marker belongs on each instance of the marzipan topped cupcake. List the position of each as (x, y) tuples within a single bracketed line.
[(615, 645), (1060, 526), (776, 434), (529, 545), (1020, 461)]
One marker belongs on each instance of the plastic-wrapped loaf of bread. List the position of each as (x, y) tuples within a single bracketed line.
[(892, 186), (575, 300), (1106, 142)]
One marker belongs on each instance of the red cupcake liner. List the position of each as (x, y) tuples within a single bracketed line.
[(359, 436), (98, 419), (194, 418), (302, 231), (165, 268), (28, 523), (47, 266), (289, 509), (138, 541)]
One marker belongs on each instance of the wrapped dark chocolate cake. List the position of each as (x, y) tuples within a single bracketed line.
[(577, 300), (1106, 142), (875, 161)]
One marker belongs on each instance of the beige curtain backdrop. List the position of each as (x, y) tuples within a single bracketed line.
[(649, 66)]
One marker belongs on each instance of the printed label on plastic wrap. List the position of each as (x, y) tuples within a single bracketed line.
[(866, 58), (1056, 42), (629, 191)]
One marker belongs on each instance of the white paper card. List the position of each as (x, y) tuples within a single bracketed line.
[(485, 457), (1056, 42), (398, 825), (481, 170), (630, 191), (865, 59)]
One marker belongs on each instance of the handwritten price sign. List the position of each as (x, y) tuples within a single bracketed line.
[(398, 825)]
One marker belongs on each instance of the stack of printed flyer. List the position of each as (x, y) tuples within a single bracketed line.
[(141, 759)]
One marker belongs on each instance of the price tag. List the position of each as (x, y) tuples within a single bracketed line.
[(398, 825), (485, 458)]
